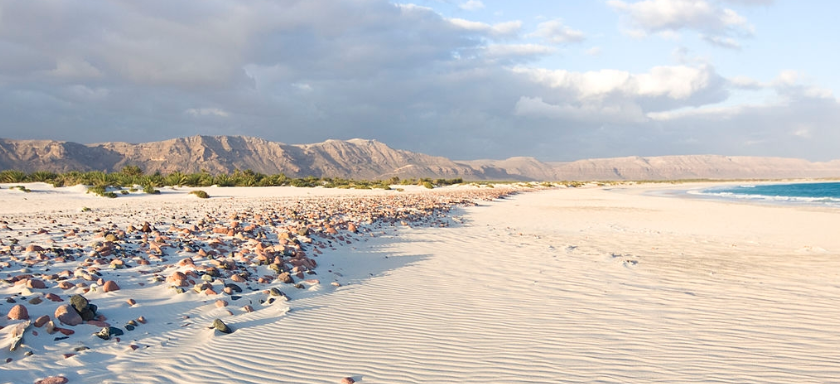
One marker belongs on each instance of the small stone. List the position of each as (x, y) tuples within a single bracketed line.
[(131, 302), (107, 332), (276, 292), (131, 322), (65, 331), (286, 278), (81, 348), (221, 303), (66, 285), (220, 326), (129, 327), (248, 309), (67, 315), (53, 297), (41, 321), (36, 300), (35, 284), (55, 379), (110, 286), (347, 380), (79, 302), (18, 312), (141, 320)]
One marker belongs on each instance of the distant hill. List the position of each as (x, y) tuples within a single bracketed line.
[(370, 159)]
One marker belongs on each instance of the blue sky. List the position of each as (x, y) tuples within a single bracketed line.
[(466, 79)]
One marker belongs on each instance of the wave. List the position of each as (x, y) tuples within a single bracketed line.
[(774, 198)]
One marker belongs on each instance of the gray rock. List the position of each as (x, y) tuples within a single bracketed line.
[(220, 326), (107, 332), (286, 278)]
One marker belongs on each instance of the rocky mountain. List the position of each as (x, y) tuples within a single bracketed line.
[(360, 159), (370, 159)]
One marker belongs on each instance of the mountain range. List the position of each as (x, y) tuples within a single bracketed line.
[(370, 159)]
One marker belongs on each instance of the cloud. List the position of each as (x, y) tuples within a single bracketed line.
[(581, 112), (508, 28), (472, 5), (594, 51), (197, 112), (555, 32), (723, 42), (716, 24), (306, 71), (674, 82), (751, 2), (517, 50)]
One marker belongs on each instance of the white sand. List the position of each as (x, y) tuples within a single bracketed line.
[(570, 285)]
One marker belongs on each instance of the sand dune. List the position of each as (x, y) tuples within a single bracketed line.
[(567, 285)]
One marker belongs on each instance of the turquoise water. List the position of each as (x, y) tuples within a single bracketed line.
[(804, 193)]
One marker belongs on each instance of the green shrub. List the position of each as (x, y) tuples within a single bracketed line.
[(148, 188), (21, 188), (201, 194), (428, 184), (110, 195), (124, 192)]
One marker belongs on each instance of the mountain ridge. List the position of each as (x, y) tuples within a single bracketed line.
[(370, 159)]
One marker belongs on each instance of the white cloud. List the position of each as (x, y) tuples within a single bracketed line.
[(72, 68), (535, 107), (472, 5), (505, 50), (675, 82), (715, 112), (303, 87), (721, 41), (555, 32), (198, 112), (744, 82), (751, 2), (499, 29), (594, 51), (669, 16)]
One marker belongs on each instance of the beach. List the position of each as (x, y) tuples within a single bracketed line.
[(613, 284)]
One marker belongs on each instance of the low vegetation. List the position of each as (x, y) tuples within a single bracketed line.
[(201, 194), (132, 177)]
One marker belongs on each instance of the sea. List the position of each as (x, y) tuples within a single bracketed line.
[(821, 194)]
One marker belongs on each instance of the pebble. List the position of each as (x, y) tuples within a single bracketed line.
[(67, 315), (220, 326), (107, 332), (18, 312), (110, 286), (54, 379)]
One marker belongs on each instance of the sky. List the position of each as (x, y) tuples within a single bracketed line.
[(465, 79)]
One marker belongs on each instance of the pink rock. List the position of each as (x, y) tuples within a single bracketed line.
[(66, 314), (347, 380), (131, 302), (53, 380), (39, 322), (36, 284), (110, 286), (248, 308), (141, 320), (65, 285), (18, 312), (221, 303), (65, 331), (34, 248), (53, 297), (97, 323)]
